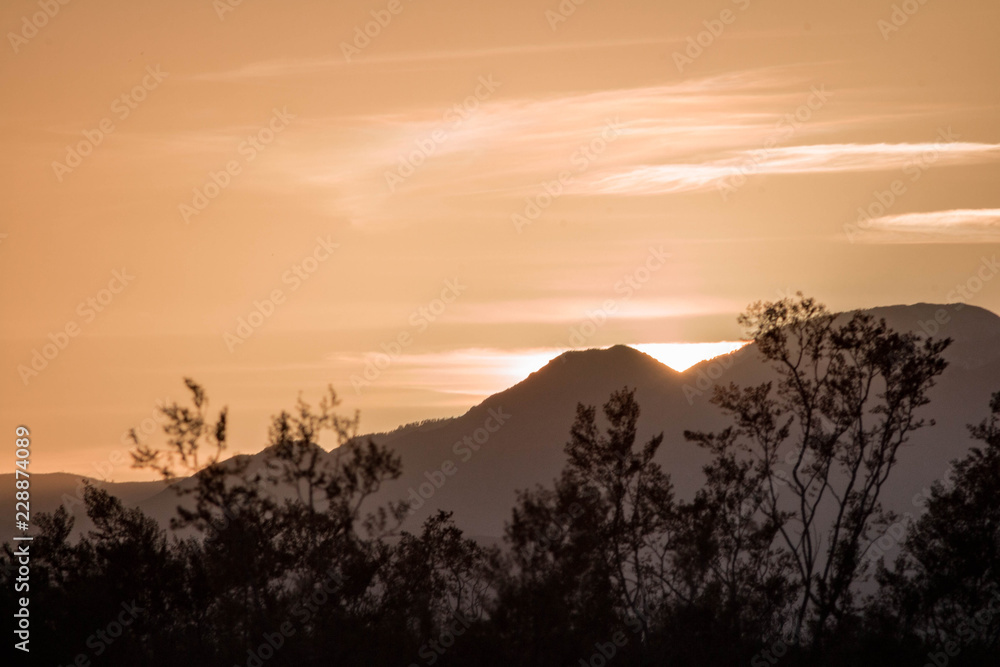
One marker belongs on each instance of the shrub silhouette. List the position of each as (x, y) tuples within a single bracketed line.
[(286, 559)]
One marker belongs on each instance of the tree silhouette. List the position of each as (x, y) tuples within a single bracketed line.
[(846, 398), (295, 557), (600, 540), (737, 580), (945, 585)]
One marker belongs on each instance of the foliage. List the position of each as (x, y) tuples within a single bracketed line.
[(286, 558)]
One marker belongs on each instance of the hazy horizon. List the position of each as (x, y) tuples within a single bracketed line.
[(269, 199)]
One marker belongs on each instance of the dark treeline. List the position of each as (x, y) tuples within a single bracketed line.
[(769, 564)]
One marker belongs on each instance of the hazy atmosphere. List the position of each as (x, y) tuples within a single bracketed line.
[(548, 333), (481, 179)]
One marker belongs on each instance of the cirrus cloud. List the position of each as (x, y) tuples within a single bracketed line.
[(953, 226)]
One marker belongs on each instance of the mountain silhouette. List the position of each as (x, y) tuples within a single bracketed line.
[(475, 463), (528, 450)]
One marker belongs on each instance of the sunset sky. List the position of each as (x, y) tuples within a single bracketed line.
[(469, 189)]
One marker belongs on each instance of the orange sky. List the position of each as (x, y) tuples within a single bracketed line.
[(478, 186)]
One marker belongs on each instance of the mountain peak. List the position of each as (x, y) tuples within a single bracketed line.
[(962, 314), (617, 359), (584, 372), (607, 355), (974, 330)]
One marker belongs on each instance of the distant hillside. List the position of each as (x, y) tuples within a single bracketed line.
[(474, 464), (49, 491), (528, 449)]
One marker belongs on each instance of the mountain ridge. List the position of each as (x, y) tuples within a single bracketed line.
[(527, 448)]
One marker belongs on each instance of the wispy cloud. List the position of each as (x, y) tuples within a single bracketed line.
[(954, 226), (306, 66), (673, 138), (570, 310), (808, 159), (476, 372), (479, 372), (456, 160)]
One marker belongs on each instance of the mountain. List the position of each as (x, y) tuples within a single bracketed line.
[(528, 449), (49, 491), (474, 464), (514, 439)]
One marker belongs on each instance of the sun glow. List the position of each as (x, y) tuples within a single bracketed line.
[(464, 376), (682, 356)]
